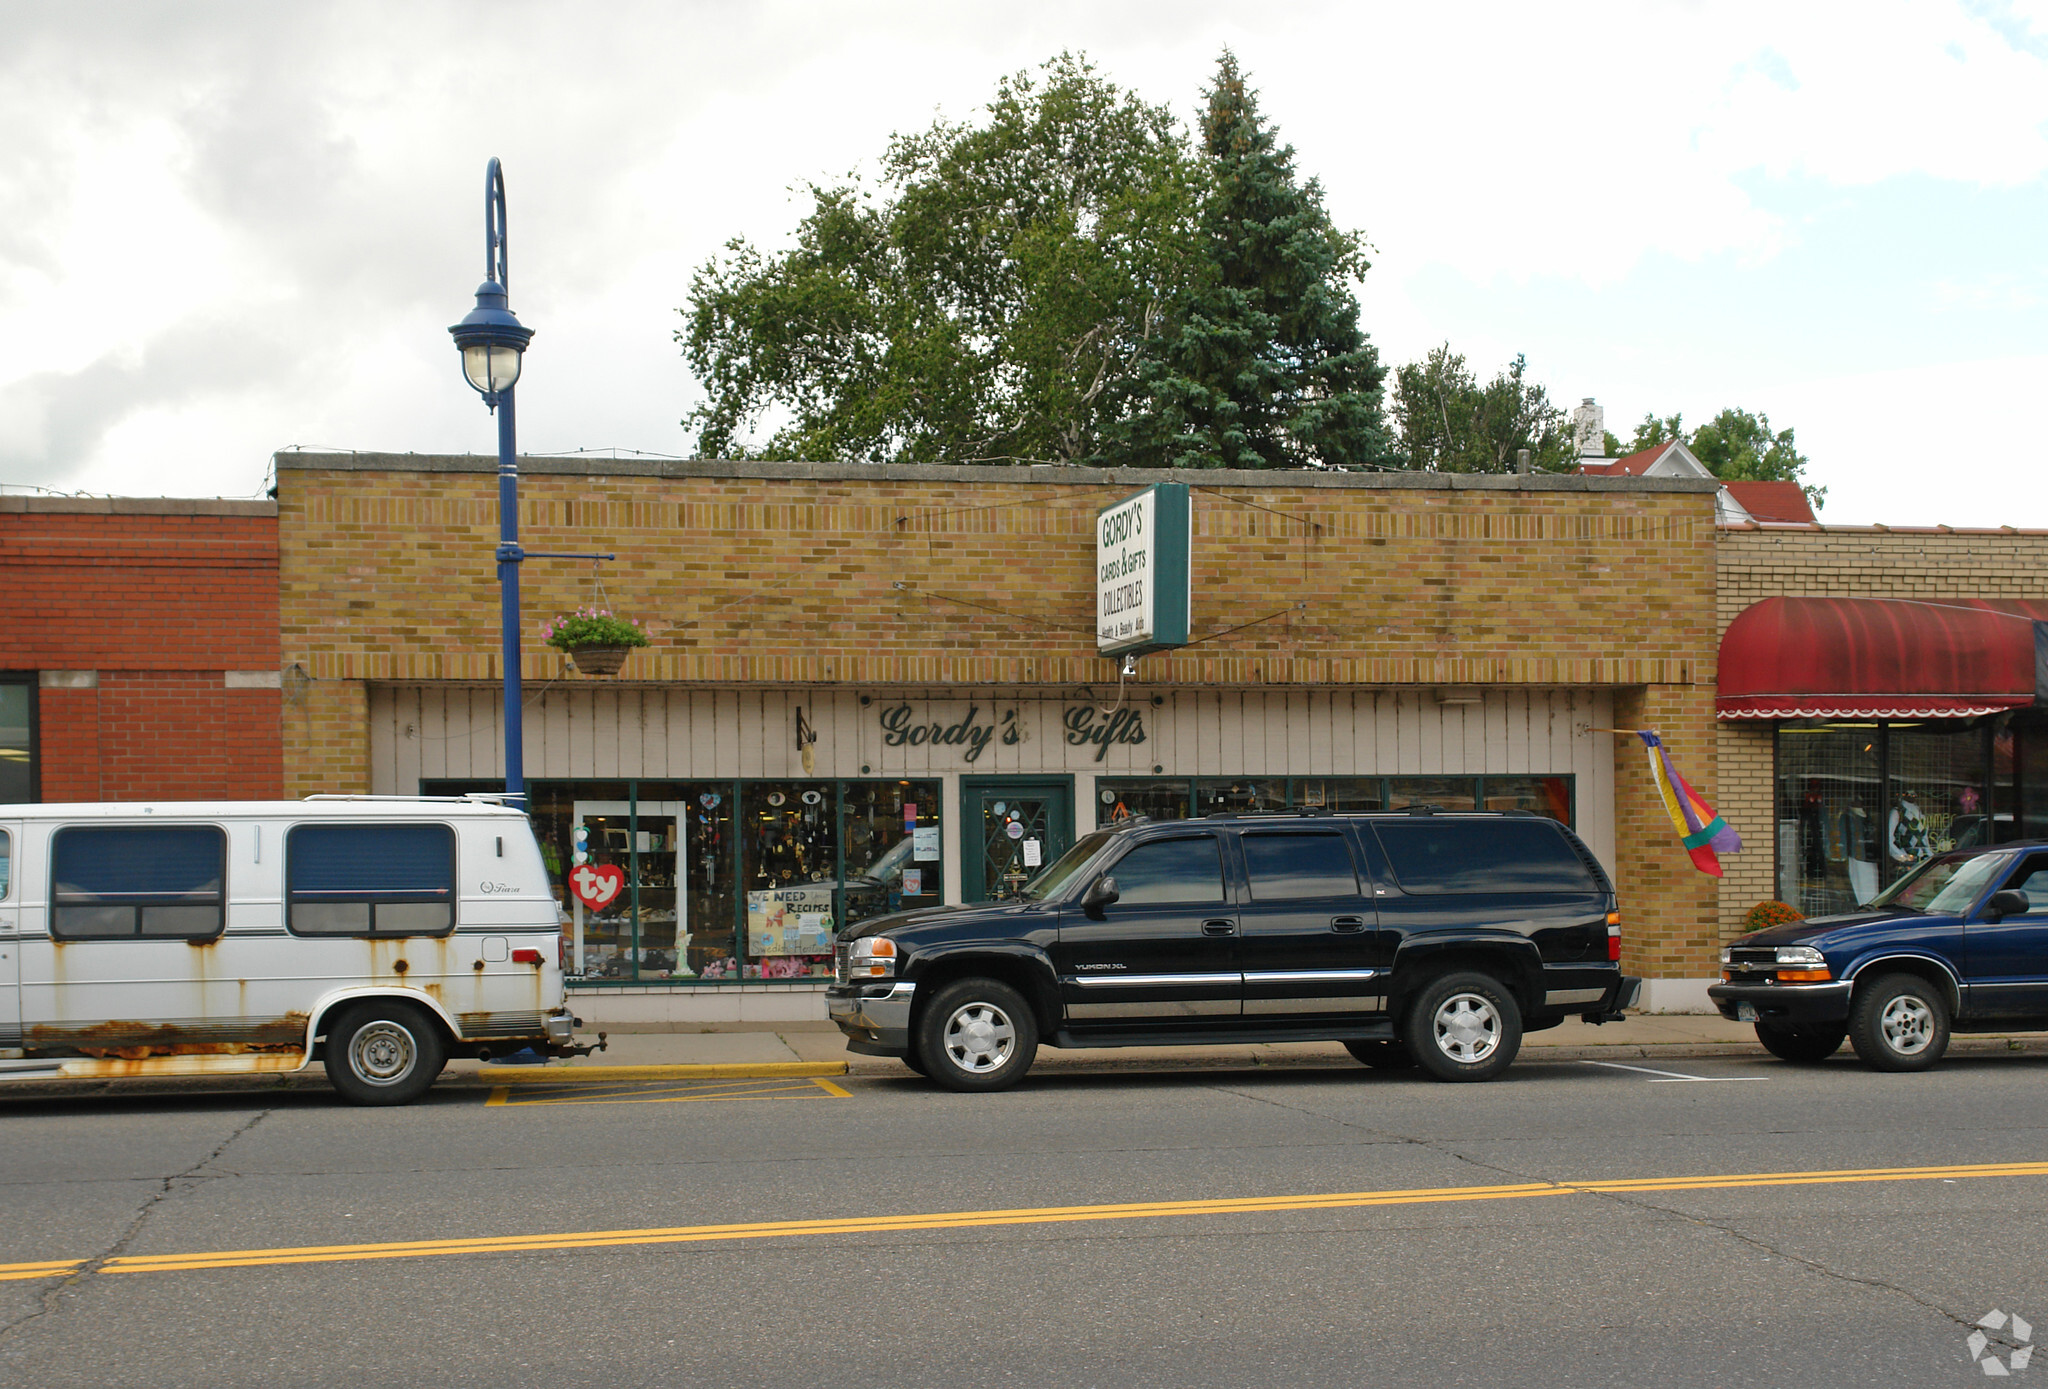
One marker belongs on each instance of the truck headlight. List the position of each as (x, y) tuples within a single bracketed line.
[(1727, 957), (1800, 955), (872, 957)]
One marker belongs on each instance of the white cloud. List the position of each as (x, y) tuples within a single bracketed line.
[(225, 228)]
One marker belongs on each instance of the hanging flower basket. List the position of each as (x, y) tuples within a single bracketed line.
[(596, 640), (599, 660)]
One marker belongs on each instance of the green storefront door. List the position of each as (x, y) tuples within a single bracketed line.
[(1010, 827)]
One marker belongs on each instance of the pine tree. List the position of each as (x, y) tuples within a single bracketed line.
[(1261, 363)]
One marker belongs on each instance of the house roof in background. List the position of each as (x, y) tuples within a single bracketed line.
[(1773, 501)]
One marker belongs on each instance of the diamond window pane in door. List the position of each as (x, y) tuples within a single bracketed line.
[(1007, 824)]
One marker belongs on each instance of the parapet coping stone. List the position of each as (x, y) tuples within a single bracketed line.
[(1041, 474), (136, 506)]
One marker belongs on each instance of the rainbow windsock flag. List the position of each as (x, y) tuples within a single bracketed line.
[(1703, 832)]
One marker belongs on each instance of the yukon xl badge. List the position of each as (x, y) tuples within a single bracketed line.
[(1100, 966)]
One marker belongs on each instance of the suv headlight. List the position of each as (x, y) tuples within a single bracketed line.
[(872, 957), (1800, 955), (1727, 957)]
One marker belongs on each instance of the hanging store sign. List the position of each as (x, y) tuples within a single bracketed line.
[(1142, 572)]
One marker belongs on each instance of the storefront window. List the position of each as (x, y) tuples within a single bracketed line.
[(789, 859), (1443, 792), (1831, 820), (1548, 796), (1124, 800), (687, 892), (1236, 795), (17, 743), (723, 880), (1164, 798), (2033, 776), (892, 848), (1339, 793), (1938, 791)]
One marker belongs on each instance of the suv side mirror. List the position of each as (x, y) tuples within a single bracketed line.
[(2009, 902), (1100, 894)]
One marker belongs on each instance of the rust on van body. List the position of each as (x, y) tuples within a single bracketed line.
[(126, 1039)]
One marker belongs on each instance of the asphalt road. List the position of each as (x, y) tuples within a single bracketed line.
[(1564, 1226)]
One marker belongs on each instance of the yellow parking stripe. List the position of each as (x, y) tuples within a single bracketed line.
[(1035, 1215), (687, 1092), (752, 1070)]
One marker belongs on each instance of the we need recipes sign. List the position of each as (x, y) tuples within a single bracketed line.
[(1141, 572)]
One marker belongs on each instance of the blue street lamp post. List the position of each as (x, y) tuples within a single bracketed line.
[(493, 344)]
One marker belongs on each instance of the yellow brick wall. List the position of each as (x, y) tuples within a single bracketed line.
[(977, 577), (1668, 907), (1838, 562)]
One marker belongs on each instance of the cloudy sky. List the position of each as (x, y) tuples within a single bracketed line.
[(228, 229)]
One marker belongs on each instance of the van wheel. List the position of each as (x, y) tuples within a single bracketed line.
[(977, 1035), (383, 1053), (1802, 1046), (1381, 1056), (1464, 1026), (1900, 1023)]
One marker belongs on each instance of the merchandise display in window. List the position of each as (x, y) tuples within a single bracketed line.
[(1170, 798)]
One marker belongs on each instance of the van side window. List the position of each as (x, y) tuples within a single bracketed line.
[(151, 881), (1286, 867), (1430, 854), (6, 858), (370, 880)]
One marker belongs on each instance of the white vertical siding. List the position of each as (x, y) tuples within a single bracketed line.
[(620, 732)]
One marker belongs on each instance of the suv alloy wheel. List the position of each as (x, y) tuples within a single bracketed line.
[(977, 1035), (1464, 1026)]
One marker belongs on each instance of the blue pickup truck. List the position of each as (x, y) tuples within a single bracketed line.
[(1960, 944)]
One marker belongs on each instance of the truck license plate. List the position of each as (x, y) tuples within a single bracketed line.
[(1745, 1012)]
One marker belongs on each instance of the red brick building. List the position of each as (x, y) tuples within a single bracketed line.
[(139, 657)]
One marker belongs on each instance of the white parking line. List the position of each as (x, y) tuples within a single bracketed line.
[(1665, 1077)]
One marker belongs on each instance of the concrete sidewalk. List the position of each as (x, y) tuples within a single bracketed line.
[(737, 1052)]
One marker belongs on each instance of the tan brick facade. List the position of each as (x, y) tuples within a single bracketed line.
[(1840, 562), (817, 576)]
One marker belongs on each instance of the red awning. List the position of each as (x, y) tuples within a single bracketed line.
[(1882, 658)]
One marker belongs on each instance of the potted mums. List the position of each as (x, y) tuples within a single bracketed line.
[(595, 639)]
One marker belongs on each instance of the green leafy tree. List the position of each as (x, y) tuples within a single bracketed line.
[(1262, 363), (982, 305), (1654, 431), (1737, 445), (1068, 280), (1449, 423)]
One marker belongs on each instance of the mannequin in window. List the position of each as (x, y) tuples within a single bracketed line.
[(1813, 864), (1908, 831)]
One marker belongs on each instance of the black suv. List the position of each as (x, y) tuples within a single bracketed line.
[(1416, 938)]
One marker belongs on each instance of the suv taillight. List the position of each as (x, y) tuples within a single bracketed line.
[(1614, 935)]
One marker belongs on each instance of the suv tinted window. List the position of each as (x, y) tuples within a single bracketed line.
[(5, 860), (1286, 866), (1171, 870), (1430, 854), (360, 880), (156, 881)]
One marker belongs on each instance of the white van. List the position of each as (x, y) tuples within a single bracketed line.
[(379, 935)]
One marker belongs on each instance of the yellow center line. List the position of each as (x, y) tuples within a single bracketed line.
[(1030, 1215)]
